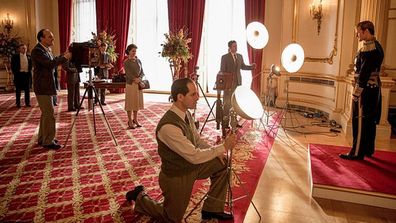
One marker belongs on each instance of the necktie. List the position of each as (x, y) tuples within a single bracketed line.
[(186, 119), (235, 58)]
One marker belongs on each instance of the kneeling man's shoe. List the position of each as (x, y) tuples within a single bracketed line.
[(133, 194), (206, 215), (350, 157), (52, 146)]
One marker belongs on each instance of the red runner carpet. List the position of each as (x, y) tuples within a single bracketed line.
[(87, 180), (376, 174)]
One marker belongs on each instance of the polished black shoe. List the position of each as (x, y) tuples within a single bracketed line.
[(18, 106), (350, 157), (53, 146), (70, 110), (206, 215), (28, 105), (137, 124), (239, 126), (55, 104), (133, 194), (103, 103)]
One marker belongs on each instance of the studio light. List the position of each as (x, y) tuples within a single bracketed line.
[(257, 35), (246, 103), (292, 57), (275, 70)]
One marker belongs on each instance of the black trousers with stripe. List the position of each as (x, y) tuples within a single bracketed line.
[(365, 116)]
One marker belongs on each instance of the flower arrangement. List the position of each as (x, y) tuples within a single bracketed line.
[(176, 49), (104, 37), (9, 44)]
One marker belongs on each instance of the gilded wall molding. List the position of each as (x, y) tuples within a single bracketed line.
[(333, 52)]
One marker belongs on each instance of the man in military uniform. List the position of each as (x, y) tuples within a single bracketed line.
[(366, 104)]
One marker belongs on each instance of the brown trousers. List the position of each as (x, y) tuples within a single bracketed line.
[(177, 192)]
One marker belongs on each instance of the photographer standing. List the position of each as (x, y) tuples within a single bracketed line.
[(103, 69), (44, 64)]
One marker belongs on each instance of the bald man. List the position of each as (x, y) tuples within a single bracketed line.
[(45, 64)]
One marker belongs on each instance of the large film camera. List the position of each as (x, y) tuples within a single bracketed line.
[(85, 54), (224, 81)]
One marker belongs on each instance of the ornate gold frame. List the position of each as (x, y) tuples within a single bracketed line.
[(333, 53)]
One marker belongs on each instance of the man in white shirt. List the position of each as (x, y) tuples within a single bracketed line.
[(185, 158), (21, 66)]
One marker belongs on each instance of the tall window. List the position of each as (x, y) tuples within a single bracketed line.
[(224, 20), (148, 23), (84, 23), (84, 20)]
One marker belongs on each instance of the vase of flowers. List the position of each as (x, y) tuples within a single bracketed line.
[(9, 44), (176, 49), (104, 37)]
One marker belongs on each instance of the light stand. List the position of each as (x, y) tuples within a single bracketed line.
[(224, 82), (292, 60), (246, 104), (219, 112), (274, 71), (195, 76), (91, 92)]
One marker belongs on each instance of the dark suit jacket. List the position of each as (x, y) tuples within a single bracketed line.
[(72, 75), (16, 66), (44, 68), (229, 66), (103, 72)]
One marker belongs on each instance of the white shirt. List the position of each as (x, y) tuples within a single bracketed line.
[(173, 137), (24, 63), (234, 56), (49, 50)]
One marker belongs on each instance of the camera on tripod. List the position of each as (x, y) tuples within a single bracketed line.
[(85, 54), (224, 81)]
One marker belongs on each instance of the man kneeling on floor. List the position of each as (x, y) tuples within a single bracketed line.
[(185, 157)]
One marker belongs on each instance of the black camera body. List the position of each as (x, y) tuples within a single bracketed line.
[(85, 54)]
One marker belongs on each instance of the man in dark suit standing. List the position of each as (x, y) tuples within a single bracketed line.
[(73, 86), (21, 66), (103, 70), (45, 64), (232, 62)]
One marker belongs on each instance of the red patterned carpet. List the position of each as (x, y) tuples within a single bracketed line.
[(87, 180), (376, 174)]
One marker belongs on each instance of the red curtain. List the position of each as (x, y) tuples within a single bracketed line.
[(113, 17), (65, 21), (188, 14), (255, 11)]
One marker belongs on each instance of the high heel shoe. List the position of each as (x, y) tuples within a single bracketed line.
[(131, 126), (136, 124)]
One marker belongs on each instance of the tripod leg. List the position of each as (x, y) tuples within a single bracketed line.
[(246, 194), (74, 121), (93, 109), (207, 117), (107, 122), (206, 99)]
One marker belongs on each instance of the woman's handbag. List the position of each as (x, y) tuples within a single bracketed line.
[(144, 84)]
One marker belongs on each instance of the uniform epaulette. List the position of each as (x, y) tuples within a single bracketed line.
[(368, 46)]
